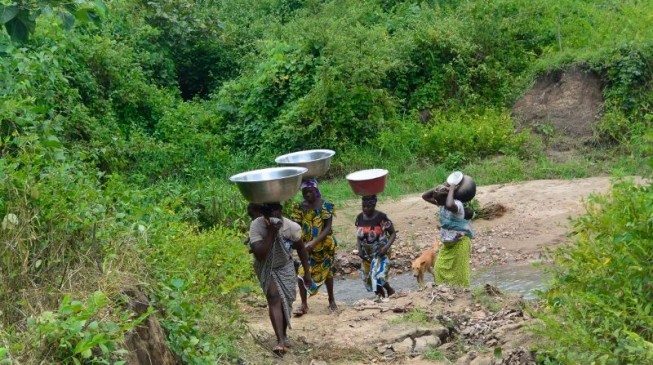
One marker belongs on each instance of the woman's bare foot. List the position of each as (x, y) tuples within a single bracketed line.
[(332, 306), (389, 289), (303, 309), (286, 343), (280, 350)]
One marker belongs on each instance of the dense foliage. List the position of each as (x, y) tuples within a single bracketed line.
[(599, 308), (121, 120)]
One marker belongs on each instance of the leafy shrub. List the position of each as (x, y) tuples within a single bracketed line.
[(19, 18), (108, 77), (466, 55), (312, 89), (199, 291), (80, 332), (458, 138), (402, 138), (62, 220), (193, 38), (185, 146), (598, 309), (628, 71)]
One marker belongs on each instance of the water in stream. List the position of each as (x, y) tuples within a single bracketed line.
[(523, 279)]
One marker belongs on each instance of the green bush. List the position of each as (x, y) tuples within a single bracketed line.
[(192, 36), (311, 88), (62, 220), (468, 55), (198, 289), (83, 332), (599, 306), (627, 71), (458, 138)]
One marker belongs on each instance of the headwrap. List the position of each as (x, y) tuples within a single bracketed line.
[(369, 200), (311, 183)]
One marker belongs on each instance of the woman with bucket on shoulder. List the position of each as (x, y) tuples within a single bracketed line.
[(452, 264), (315, 216)]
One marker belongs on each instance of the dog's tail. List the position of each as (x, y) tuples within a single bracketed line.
[(436, 244)]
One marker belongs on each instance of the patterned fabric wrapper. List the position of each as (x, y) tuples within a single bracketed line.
[(375, 273), (322, 257), (373, 234)]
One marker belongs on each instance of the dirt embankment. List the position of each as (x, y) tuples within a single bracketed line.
[(436, 324)]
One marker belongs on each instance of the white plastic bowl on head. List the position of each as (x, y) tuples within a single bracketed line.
[(455, 178)]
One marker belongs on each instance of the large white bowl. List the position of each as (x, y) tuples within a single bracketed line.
[(316, 161), (270, 185)]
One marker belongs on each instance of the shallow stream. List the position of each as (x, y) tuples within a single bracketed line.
[(523, 279)]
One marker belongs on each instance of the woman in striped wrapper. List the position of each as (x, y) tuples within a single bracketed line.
[(274, 266)]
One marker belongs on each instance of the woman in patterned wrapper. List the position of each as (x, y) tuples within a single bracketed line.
[(375, 234), (315, 216), (274, 267)]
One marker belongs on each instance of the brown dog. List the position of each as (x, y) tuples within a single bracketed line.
[(424, 263)]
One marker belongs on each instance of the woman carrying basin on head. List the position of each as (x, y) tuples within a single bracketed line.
[(274, 266), (375, 234), (315, 216)]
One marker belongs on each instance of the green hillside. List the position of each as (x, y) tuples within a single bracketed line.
[(121, 121)]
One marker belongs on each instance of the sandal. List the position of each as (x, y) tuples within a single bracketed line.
[(280, 350)]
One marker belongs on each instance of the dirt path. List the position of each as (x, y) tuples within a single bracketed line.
[(422, 325), (537, 216)]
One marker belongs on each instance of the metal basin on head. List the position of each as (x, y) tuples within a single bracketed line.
[(274, 184), (316, 161)]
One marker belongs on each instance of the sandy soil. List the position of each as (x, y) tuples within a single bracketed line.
[(537, 216)]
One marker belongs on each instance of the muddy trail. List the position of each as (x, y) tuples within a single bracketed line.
[(436, 324)]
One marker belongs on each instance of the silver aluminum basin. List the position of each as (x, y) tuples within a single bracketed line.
[(274, 184), (316, 161)]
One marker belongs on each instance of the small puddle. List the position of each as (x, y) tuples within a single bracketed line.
[(524, 280)]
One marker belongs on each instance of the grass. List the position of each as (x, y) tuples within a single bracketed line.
[(434, 354), (485, 300), (414, 316)]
